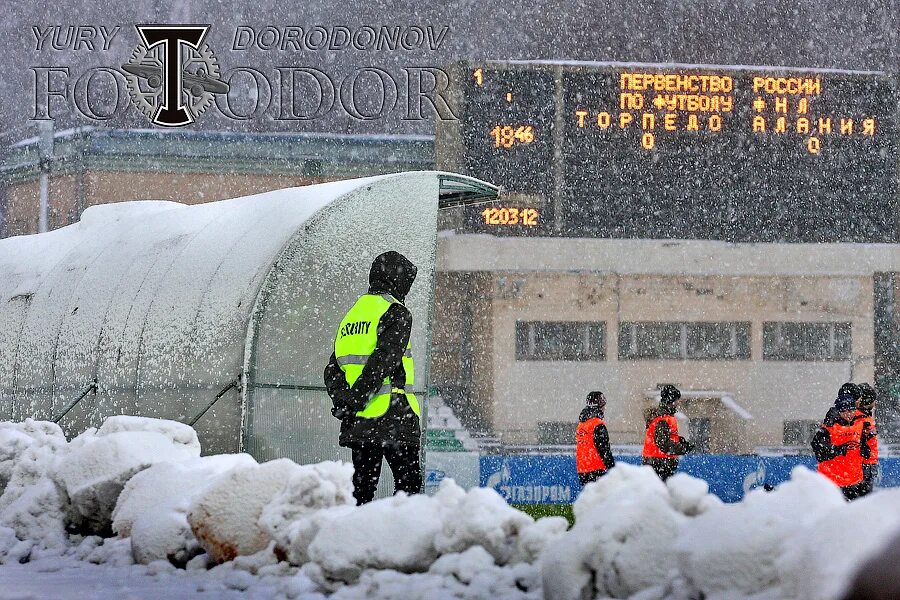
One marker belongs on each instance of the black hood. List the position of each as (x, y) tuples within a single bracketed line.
[(589, 412), (393, 274), (664, 409)]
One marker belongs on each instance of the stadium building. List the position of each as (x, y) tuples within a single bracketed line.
[(661, 229)]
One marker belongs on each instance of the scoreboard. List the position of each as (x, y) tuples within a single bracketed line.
[(674, 151)]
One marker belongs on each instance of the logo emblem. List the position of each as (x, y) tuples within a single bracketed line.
[(173, 74)]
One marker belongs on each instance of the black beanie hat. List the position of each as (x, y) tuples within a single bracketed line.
[(850, 388), (866, 394), (596, 399), (669, 394)]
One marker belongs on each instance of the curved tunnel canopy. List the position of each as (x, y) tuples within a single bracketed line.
[(167, 306)]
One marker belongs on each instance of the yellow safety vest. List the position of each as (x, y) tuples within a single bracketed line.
[(356, 338)]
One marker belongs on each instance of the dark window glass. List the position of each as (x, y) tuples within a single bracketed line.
[(799, 432), (560, 340), (680, 341), (800, 341)]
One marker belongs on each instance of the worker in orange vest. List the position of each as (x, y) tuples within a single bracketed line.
[(865, 408), (593, 454), (836, 446), (662, 444)]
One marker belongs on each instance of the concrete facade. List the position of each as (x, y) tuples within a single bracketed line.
[(618, 281)]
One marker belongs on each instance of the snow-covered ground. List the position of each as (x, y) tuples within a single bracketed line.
[(132, 510)]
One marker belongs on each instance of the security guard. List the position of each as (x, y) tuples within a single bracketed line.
[(367, 377), (662, 444), (836, 446), (593, 454)]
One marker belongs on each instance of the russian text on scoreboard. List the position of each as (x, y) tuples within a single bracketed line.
[(735, 153)]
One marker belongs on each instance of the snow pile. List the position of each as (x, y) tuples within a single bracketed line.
[(152, 508), (416, 534), (15, 438), (49, 485), (738, 548), (32, 505), (624, 535), (636, 537), (225, 517), (290, 518), (181, 435), (819, 561), (97, 465)]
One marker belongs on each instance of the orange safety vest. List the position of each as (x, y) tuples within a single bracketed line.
[(844, 470), (868, 422), (587, 458), (651, 450)]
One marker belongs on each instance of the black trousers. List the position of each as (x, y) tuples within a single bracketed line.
[(851, 492), (402, 458), (590, 476), (664, 467), (870, 474)]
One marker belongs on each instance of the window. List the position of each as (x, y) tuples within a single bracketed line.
[(680, 341), (560, 340), (806, 341), (799, 432)]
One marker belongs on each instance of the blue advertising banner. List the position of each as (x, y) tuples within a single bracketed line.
[(551, 478)]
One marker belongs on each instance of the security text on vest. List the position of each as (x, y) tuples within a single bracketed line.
[(355, 328)]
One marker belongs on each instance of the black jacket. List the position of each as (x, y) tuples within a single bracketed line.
[(391, 274), (601, 435), (868, 434)]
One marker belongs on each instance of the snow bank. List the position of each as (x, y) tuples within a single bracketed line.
[(98, 464), (637, 537), (15, 438), (225, 516), (179, 434), (819, 561), (738, 548), (290, 517), (49, 485), (624, 535), (409, 534), (32, 505), (152, 508), (293, 529)]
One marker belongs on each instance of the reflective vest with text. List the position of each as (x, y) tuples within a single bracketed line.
[(356, 338)]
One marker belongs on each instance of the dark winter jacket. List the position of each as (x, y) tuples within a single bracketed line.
[(869, 442), (391, 274), (821, 444), (601, 435)]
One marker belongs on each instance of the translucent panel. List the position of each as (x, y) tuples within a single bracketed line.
[(323, 272), (297, 424), (309, 289), (11, 320)]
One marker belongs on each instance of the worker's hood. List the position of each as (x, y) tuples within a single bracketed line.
[(392, 273)]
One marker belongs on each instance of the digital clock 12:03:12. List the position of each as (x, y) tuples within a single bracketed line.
[(495, 215)]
